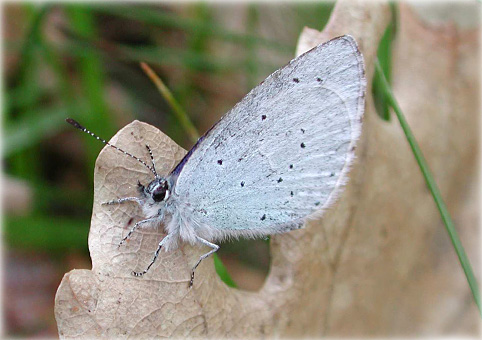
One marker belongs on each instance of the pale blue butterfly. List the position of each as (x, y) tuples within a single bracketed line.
[(279, 157)]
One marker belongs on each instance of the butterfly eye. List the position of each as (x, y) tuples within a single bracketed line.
[(159, 195)]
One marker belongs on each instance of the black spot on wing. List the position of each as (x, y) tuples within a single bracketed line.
[(263, 117), (296, 80), (263, 217), (303, 145), (220, 161)]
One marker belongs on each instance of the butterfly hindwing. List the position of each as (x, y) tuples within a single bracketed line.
[(279, 154)]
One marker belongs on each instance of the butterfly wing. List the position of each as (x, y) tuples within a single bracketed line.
[(280, 154)]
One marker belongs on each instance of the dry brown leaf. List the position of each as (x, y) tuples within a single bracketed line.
[(378, 263)]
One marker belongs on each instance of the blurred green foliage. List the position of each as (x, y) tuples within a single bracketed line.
[(81, 60)]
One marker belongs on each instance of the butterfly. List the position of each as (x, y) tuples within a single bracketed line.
[(279, 157)]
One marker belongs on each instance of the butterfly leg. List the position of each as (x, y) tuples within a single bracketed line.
[(151, 219), (214, 249), (163, 241), (122, 200)]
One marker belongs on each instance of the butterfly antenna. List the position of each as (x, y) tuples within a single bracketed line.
[(75, 124), (152, 160)]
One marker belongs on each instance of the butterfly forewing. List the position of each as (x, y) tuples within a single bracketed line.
[(280, 153)]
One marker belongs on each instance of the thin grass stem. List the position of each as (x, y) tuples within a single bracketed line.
[(173, 103), (444, 213)]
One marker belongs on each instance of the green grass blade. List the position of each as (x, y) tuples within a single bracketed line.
[(20, 97), (30, 130), (384, 56), (447, 220), (96, 113), (32, 39), (38, 232), (25, 164), (222, 272)]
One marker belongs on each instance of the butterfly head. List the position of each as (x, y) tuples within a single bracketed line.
[(158, 190)]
